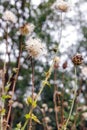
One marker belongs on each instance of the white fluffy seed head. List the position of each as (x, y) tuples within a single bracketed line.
[(9, 16), (62, 5), (26, 29), (34, 47)]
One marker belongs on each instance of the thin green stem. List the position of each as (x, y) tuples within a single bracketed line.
[(73, 101), (30, 121), (42, 87), (23, 128), (46, 79)]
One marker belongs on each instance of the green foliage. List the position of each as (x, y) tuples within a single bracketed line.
[(33, 117)]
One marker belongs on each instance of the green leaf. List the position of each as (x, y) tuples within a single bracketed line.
[(5, 97), (27, 116), (19, 125), (46, 83), (15, 70), (2, 112), (7, 87), (35, 119), (31, 102)]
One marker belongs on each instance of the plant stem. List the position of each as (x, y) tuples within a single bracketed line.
[(30, 122), (73, 101), (46, 79), (15, 80), (42, 87), (4, 78), (54, 99), (1, 121)]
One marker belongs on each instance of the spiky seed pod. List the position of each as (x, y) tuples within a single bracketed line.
[(77, 59)]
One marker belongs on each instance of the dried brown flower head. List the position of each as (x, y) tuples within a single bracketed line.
[(64, 65), (56, 61), (26, 29), (77, 59)]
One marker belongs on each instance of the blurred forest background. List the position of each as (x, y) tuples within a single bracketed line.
[(47, 27)]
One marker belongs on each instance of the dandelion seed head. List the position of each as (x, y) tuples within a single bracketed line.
[(62, 5), (9, 16), (26, 29), (35, 48)]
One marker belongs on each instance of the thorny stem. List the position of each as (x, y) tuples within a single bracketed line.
[(73, 101)]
